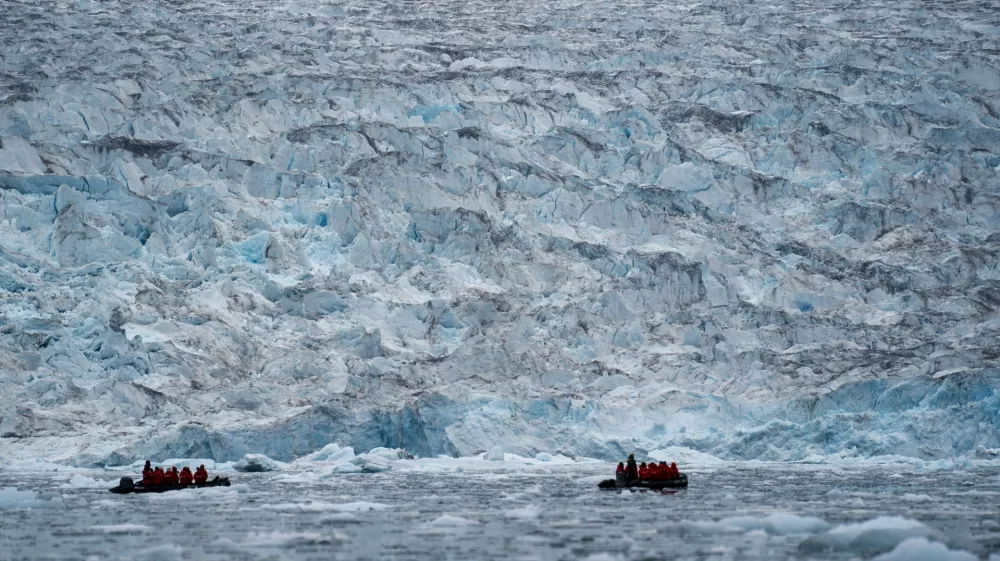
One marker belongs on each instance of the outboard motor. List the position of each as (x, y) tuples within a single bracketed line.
[(126, 482)]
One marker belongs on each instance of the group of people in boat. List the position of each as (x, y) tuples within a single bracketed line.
[(170, 476), (629, 471)]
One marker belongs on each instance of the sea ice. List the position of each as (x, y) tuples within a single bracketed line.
[(256, 463), (880, 534), (919, 549), (12, 498), (79, 481), (121, 528), (778, 523)]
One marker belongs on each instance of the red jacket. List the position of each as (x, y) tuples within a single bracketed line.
[(170, 477), (200, 475), (157, 476), (185, 477)]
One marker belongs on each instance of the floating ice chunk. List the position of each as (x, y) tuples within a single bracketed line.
[(165, 552), (360, 506), (349, 467), (10, 497), (121, 528), (777, 524), (603, 557), (253, 463), (919, 549), (281, 539), (320, 506), (378, 460), (450, 521), (387, 454), (330, 453), (495, 454), (302, 477), (311, 506), (529, 512), (543, 457), (83, 482), (873, 536), (782, 523)]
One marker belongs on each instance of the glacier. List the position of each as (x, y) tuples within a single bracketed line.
[(756, 231)]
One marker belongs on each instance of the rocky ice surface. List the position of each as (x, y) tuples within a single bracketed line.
[(763, 230)]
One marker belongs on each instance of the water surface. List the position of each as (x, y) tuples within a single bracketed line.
[(554, 513)]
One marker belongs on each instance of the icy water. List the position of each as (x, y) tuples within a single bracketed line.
[(555, 513)]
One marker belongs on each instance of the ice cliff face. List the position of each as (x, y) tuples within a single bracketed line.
[(761, 230)]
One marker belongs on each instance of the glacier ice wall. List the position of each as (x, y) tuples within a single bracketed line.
[(757, 230)]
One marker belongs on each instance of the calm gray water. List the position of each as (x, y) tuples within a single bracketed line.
[(556, 514)]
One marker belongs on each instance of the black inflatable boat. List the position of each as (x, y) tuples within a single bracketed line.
[(657, 484), (126, 485)]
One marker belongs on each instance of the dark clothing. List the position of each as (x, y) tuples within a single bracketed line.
[(631, 471)]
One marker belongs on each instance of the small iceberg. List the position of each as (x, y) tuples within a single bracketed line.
[(255, 463)]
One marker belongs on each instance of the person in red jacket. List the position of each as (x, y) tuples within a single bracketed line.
[(171, 477), (674, 472), (643, 471), (185, 477), (201, 474), (662, 471), (157, 477), (620, 472), (651, 472), (147, 474)]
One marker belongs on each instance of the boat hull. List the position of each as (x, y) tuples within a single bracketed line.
[(126, 486), (656, 484)]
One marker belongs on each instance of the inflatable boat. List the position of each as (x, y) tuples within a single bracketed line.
[(679, 482), (126, 486)]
